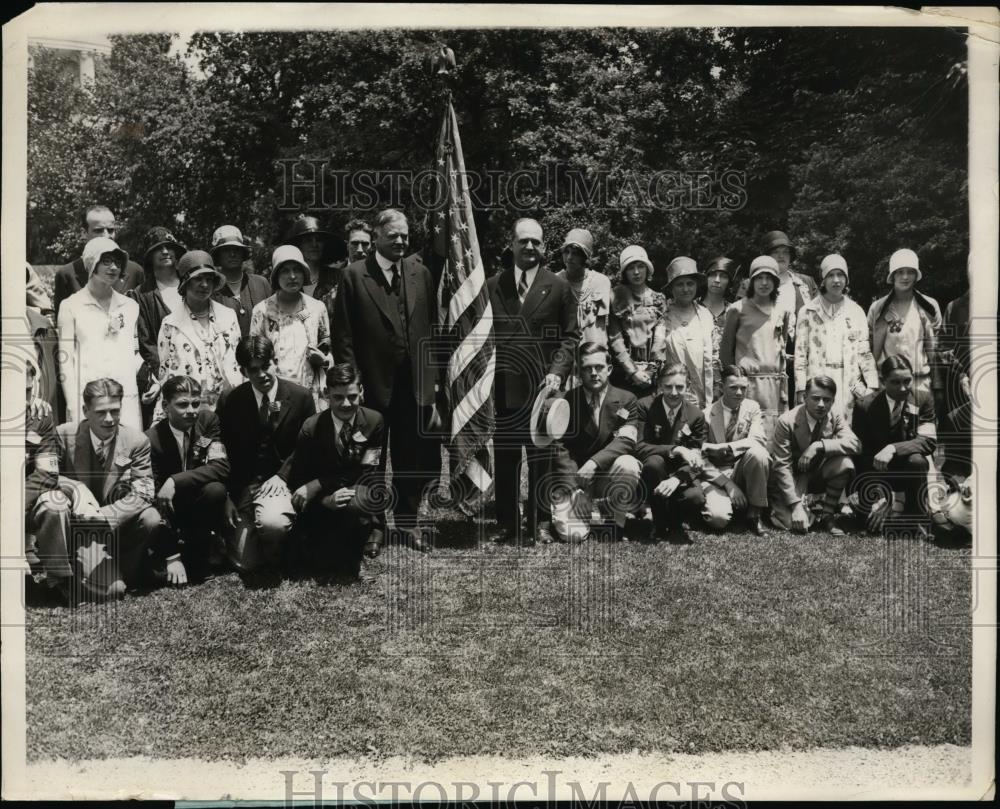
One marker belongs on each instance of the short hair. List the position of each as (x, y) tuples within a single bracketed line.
[(823, 383), (894, 362), (102, 387), (591, 347), (383, 218), (722, 264), (671, 369), (179, 384), (513, 228), (847, 287), (342, 373), (256, 347), (94, 209), (733, 370), (774, 289), (357, 224)]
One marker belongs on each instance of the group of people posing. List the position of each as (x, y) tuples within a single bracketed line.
[(191, 413)]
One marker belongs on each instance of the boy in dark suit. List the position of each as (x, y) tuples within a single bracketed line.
[(595, 455), (673, 431), (898, 437), (190, 470), (334, 477), (260, 422)]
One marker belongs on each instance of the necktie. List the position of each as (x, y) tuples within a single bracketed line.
[(263, 412), (731, 427), (343, 438), (186, 447), (817, 432), (394, 286), (102, 453), (595, 410), (897, 412), (522, 285)]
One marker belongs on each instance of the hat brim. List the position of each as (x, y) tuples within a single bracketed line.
[(697, 276), (220, 279), (920, 275), (557, 418), (582, 248), (246, 250), (180, 248), (334, 248)]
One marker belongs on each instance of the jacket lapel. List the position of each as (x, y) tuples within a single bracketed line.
[(374, 284), (803, 436), (283, 394), (508, 293), (539, 292), (110, 467), (81, 453), (168, 447), (413, 289), (718, 422)]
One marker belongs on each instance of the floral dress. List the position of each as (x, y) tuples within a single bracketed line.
[(204, 349), (631, 327), (292, 335)]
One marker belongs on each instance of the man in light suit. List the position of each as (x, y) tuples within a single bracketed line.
[(334, 478), (670, 440), (736, 450), (259, 424), (190, 469), (382, 322), (535, 325), (106, 482), (595, 456), (98, 220), (810, 452), (896, 427)]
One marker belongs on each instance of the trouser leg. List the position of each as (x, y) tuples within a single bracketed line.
[(751, 474)]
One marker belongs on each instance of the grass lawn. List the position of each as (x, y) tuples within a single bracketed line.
[(732, 642)]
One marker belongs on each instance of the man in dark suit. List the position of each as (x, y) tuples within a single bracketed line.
[(260, 422), (810, 452), (335, 477), (107, 484), (673, 431), (190, 470), (534, 322), (97, 221), (595, 456), (898, 438), (384, 312)]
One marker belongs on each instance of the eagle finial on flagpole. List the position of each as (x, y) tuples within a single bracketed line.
[(441, 61)]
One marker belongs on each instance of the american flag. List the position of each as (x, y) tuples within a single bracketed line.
[(466, 318)]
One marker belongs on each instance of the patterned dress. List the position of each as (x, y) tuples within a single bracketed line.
[(752, 334), (593, 299), (631, 327), (204, 349), (292, 335)]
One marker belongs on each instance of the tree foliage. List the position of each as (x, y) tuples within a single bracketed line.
[(850, 139)]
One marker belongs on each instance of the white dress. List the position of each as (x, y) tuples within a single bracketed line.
[(98, 344)]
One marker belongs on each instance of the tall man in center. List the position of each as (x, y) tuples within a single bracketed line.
[(382, 326), (535, 323)]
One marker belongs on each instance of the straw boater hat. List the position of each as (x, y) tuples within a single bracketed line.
[(549, 418), (95, 248), (903, 260)]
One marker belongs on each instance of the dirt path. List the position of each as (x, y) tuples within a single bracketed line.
[(853, 773)]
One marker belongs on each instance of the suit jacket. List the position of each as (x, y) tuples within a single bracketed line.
[(73, 276), (956, 438), (152, 310), (318, 455), (368, 332), (660, 438), (533, 339), (749, 426), (615, 435), (792, 436), (242, 431), (253, 289), (127, 483), (41, 459), (207, 461), (871, 424)]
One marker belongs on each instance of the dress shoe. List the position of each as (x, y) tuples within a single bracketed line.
[(501, 536), (417, 540), (373, 545), (756, 526), (677, 534), (829, 525), (116, 589), (543, 534)]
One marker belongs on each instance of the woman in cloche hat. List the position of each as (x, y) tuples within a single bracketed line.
[(635, 311), (906, 323), (832, 340), (199, 339), (754, 338), (719, 277), (684, 333), (296, 323)]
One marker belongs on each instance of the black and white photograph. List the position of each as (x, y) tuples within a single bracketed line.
[(416, 402)]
